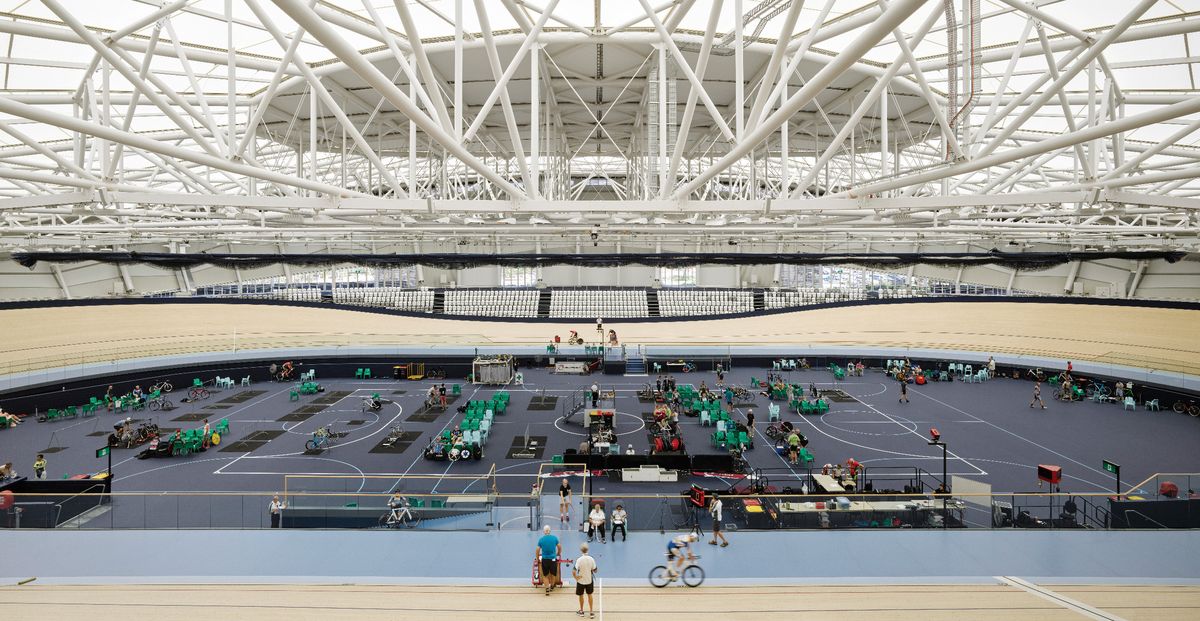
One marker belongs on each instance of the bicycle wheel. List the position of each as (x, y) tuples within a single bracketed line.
[(1179, 407), (1194, 411), (693, 575), (167, 387), (203, 393), (154, 405), (411, 522), (385, 520), (311, 445), (167, 405), (660, 577)]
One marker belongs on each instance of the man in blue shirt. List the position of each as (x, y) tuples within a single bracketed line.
[(547, 553)]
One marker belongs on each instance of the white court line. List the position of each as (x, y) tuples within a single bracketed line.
[(1016, 435), (600, 598), (1066, 602), (950, 453)]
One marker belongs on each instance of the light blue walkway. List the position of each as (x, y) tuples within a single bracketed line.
[(506, 557)]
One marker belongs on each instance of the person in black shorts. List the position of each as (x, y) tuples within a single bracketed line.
[(903, 391), (564, 500), (715, 509), (584, 574)]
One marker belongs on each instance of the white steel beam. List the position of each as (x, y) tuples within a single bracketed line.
[(370, 74), (868, 38)]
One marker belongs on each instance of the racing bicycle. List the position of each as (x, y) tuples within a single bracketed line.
[(692, 574), (399, 517)]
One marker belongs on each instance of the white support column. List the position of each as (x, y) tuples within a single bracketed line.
[(535, 96), (883, 132), (312, 131), (62, 282), (785, 131), (739, 71), (1069, 284), (1137, 278), (230, 78), (412, 148), (458, 69), (661, 157)]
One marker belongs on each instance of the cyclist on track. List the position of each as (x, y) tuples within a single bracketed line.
[(400, 508), (679, 548)]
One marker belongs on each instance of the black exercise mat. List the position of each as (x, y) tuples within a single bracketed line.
[(243, 397), (542, 403), (356, 421), (217, 406), (301, 413), (331, 398), (54, 449), (518, 450), (424, 417), (191, 418), (399, 392), (401, 444), (255, 440), (97, 434), (837, 396)]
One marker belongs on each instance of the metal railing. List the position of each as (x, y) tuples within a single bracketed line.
[(485, 510)]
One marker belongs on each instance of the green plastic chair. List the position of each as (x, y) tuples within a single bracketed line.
[(358, 374)]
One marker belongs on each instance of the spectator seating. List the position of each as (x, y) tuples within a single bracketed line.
[(298, 295), (416, 300), (687, 302), (605, 304), (492, 302)]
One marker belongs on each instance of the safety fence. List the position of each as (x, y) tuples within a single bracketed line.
[(484, 510)]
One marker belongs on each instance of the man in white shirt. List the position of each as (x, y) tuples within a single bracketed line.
[(276, 509), (596, 520), (584, 574)]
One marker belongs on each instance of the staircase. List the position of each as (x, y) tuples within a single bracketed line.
[(439, 302), (544, 302), (652, 303), (760, 300), (635, 364)]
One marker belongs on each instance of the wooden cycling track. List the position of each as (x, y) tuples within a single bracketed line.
[(1166, 339), (927, 602)]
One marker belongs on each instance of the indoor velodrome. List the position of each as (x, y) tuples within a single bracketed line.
[(652, 309)]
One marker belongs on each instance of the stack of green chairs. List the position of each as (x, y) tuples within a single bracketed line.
[(222, 427), (456, 389), (821, 406), (838, 372)]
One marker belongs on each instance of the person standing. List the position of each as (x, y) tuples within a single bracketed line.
[(442, 395), (207, 434), (903, 390), (39, 467), (619, 517), (793, 441), (750, 421), (276, 509), (596, 521), (584, 573), (991, 367), (1037, 395), (564, 500), (546, 553), (595, 394), (715, 510)]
